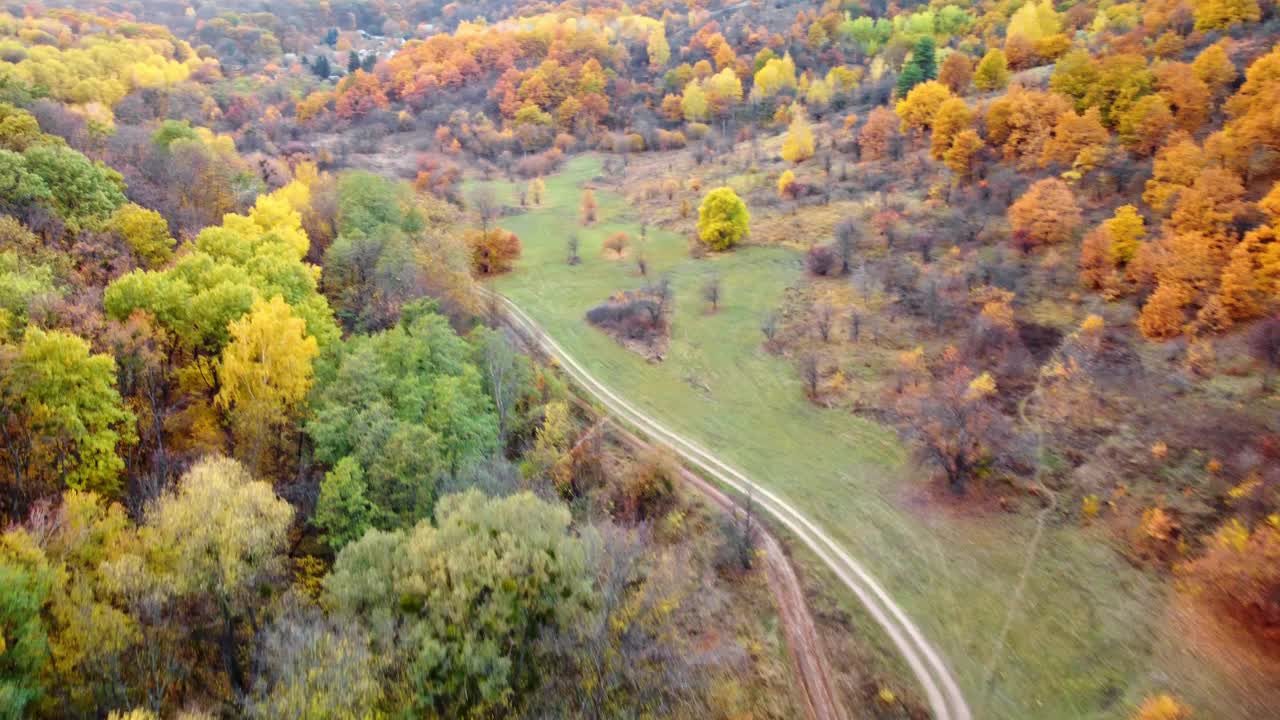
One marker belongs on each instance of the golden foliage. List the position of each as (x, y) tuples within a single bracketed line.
[(1162, 707), (1046, 214), (798, 145)]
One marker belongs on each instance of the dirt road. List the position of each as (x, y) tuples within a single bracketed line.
[(927, 665), (807, 650)]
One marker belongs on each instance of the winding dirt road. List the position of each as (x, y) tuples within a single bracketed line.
[(941, 690)]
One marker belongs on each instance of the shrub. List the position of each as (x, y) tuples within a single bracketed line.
[(822, 261)]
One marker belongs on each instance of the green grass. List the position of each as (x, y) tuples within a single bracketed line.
[(1085, 641)]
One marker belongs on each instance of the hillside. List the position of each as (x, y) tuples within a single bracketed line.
[(986, 292)]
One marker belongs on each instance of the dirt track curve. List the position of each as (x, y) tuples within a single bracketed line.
[(807, 650), (927, 665)]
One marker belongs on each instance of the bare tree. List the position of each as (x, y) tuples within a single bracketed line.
[(662, 294), (642, 265), (711, 292), (823, 317), (855, 326), (770, 328), (485, 202), (809, 374), (504, 374), (1264, 344), (573, 242), (742, 534), (846, 236)]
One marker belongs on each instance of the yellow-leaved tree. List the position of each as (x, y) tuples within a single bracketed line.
[(798, 145), (658, 48), (723, 219), (785, 181), (1125, 229), (919, 107), (265, 373), (1222, 14), (993, 71), (146, 232)]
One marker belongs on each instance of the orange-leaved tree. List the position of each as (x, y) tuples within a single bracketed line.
[(1045, 215)]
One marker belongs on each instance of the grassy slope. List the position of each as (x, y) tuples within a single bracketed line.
[(1086, 639)]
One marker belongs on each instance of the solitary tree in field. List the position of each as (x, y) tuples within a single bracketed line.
[(769, 328), (589, 207), (492, 252), (723, 219), (785, 182), (617, 242), (572, 257), (711, 292)]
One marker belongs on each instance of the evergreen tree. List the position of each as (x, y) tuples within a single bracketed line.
[(921, 67), (321, 68), (353, 61)]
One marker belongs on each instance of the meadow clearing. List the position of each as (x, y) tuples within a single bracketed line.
[(1071, 631)]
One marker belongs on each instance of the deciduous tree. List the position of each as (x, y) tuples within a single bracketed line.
[(992, 72), (798, 145), (493, 252), (1222, 14), (878, 133), (952, 117), (63, 420), (265, 373), (343, 511), (920, 105), (146, 232), (964, 149), (1125, 230), (955, 423), (1046, 214), (1163, 315), (218, 538), (468, 646), (723, 219), (956, 72)]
